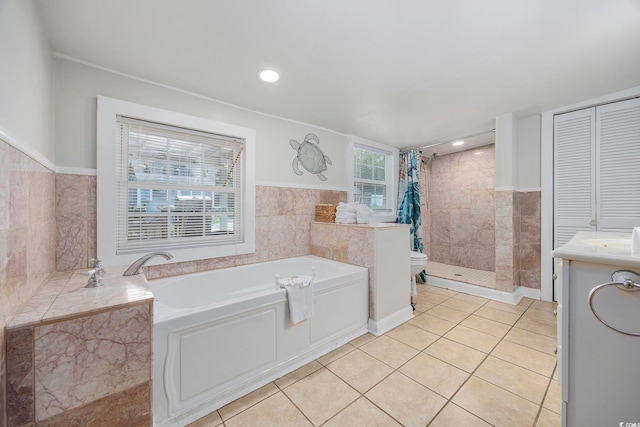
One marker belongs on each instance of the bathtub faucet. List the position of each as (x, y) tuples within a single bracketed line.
[(137, 265)]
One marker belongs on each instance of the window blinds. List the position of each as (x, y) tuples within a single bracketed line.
[(176, 187)]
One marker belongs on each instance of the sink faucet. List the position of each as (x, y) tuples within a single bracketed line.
[(137, 265)]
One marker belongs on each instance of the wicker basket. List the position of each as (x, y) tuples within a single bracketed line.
[(325, 213)]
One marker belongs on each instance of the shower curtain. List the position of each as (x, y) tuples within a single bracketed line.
[(409, 199)]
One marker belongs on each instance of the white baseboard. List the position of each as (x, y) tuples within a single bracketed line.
[(502, 296), (379, 327)]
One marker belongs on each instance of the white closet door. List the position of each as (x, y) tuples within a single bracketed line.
[(574, 180), (618, 173)]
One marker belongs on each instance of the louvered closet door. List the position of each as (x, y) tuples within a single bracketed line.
[(574, 180), (618, 173)]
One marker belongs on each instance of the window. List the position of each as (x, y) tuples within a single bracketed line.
[(374, 180), (174, 182)]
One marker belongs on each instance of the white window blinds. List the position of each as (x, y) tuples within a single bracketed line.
[(371, 177), (176, 187)]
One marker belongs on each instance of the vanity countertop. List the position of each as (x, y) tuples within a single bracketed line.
[(600, 248), (64, 295)]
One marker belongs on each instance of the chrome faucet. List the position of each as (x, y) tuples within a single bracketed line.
[(137, 265)]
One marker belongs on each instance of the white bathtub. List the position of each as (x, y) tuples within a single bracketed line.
[(221, 334)]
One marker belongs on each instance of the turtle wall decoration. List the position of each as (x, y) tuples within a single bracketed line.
[(310, 156)]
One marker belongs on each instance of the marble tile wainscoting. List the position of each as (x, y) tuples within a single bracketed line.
[(283, 217), (82, 356), (27, 237)]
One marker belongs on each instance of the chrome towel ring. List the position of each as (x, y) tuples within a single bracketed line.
[(623, 280)]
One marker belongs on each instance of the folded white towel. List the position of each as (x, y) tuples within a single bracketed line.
[(346, 221), (300, 297), (345, 215), (348, 207), (364, 214)]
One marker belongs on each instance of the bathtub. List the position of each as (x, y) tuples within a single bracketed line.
[(221, 334)]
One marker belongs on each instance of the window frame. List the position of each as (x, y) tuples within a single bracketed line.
[(391, 175), (107, 111)]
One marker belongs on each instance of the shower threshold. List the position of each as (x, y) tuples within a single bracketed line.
[(486, 279)]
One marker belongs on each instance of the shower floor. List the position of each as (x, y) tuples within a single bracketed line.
[(472, 276)]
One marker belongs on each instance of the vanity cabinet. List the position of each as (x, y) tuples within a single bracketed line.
[(597, 366)]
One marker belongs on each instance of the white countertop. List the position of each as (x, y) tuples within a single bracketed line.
[(599, 247)]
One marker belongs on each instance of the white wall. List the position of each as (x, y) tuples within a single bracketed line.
[(25, 80), (77, 86), (529, 153), (506, 152)]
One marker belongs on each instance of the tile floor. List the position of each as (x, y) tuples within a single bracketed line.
[(461, 361)]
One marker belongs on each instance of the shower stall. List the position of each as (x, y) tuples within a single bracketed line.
[(459, 215)]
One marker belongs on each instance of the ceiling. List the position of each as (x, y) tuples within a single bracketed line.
[(407, 73)]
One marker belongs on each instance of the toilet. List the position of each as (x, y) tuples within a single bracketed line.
[(418, 263)]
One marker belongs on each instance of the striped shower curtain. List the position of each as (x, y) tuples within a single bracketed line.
[(409, 199)]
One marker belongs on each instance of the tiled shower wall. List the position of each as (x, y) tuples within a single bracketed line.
[(27, 237), (469, 224), (283, 216), (460, 208)]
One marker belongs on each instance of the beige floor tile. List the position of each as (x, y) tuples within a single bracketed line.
[(405, 400), (211, 420), (390, 351), (336, 354), (447, 313), (456, 354), (542, 328), (509, 308), (472, 338), (362, 339), (513, 378), (479, 301), (494, 404), (526, 302), (298, 374), (453, 415), (435, 374), (548, 419), (430, 297), (461, 305), (442, 291), (485, 325), (321, 395), (541, 315), (239, 405), (543, 305), (421, 306), (414, 336), (525, 357), (553, 399), (432, 324), (276, 410), (360, 370), (498, 315), (532, 340), (361, 413)]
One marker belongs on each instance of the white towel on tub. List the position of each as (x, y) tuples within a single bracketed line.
[(300, 297)]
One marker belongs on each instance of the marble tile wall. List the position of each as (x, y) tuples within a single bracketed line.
[(27, 237), (345, 243), (460, 209), (507, 235), (76, 371), (283, 216), (529, 244)]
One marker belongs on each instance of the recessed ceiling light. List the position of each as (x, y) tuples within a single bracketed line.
[(269, 75), (455, 144)]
